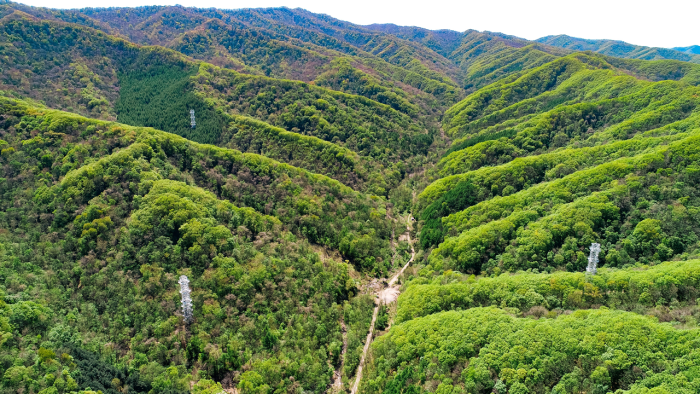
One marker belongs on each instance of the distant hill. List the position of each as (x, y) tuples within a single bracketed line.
[(622, 49), (694, 49), (443, 42), (482, 57)]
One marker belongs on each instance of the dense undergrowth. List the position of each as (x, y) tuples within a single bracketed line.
[(594, 351), (667, 284), (545, 161)]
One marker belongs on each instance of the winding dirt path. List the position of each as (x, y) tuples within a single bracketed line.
[(385, 296)]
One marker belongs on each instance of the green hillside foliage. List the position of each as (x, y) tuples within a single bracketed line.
[(443, 42), (485, 57), (658, 70), (299, 23), (578, 121), (547, 159), (577, 209), (259, 51), (361, 173), (517, 175), (245, 179), (483, 350), (251, 135), (119, 212), (41, 61), (577, 78), (280, 43), (344, 77), (367, 127), (158, 88), (645, 289), (160, 97)]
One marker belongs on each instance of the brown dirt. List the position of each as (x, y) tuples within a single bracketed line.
[(385, 295)]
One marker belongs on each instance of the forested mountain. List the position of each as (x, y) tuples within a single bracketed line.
[(584, 148), (117, 212), (110, 78), (621, 48), (443, 42), (694, 49), (286, 207), (282, 43)]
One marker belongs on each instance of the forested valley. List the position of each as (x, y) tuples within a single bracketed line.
[(352, 209)]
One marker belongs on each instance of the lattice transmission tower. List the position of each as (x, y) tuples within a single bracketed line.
[(186, 300), (593, 259)]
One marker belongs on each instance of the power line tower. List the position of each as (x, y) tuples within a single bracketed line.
[(192, 122), (593, 259), (186, 300)]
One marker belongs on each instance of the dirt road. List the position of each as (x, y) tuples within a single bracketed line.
[(386, 296)]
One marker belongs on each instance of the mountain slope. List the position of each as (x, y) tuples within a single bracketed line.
[(145, 86), (545, 133), (582, 149), (126, 210), (247, 40), (530, 355), (695, 49), (443, 42)]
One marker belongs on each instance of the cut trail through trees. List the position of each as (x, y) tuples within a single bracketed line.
[(385, 296), (338, 374)]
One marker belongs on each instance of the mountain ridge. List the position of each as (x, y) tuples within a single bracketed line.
[(619, 48), (693, 49)]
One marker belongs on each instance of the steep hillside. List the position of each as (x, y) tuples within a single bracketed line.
[(620, 49), (583, 148), (107, 77), (623, 351), (282, 43), (113, 214), (563, 82), (488, 57), (443, 42), (164, 23), (483, 57), (563, 144), (428, 68)]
